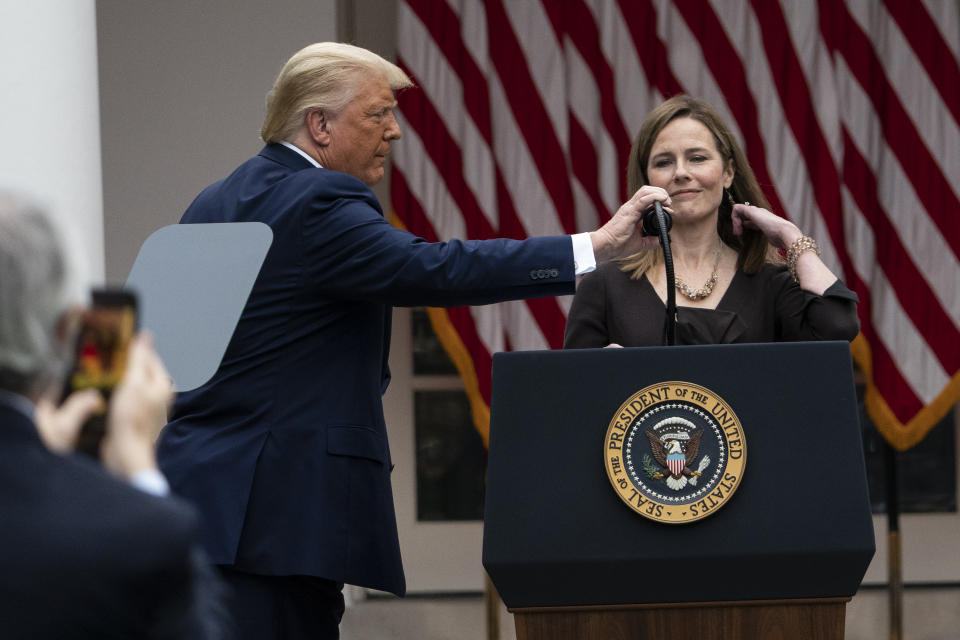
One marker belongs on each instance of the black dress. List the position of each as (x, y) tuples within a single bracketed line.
[(767, 306)]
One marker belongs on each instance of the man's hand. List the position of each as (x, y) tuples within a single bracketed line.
[(137, 412), (60, 426), (620, 236)]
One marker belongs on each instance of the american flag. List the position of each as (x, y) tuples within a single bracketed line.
[(849, 112)]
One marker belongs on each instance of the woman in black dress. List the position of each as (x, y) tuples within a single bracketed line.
[(732, 284)]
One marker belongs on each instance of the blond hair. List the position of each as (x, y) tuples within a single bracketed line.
[(322, 75), (752, 247)]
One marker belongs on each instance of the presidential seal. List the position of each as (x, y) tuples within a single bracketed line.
[(675, 452)]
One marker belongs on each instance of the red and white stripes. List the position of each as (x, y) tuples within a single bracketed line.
[(849, 112)]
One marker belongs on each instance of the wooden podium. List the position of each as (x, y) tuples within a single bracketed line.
[(779, 560), (813, 619)]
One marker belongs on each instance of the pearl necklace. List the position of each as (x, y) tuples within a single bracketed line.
[(706, 289)]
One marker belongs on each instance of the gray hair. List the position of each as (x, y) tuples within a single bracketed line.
[(322, 75), (33, 296)]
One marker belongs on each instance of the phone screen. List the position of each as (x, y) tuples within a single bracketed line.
[(100, 357)]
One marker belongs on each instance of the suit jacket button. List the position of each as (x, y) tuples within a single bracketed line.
[(554, 273)]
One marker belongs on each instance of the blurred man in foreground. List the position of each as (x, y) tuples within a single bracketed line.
[(86, 551)]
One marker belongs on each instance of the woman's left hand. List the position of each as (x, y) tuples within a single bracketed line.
[(813, 275), (780, 232)]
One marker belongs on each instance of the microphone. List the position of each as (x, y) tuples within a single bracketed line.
[(657, 222), (651, 221)]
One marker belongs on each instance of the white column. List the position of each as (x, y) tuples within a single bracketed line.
[(50, 119)]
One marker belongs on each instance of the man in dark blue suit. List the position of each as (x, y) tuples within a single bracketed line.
[(285, 449)]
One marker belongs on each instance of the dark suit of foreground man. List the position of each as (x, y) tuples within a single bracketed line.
[(285, 450), (88, 556)]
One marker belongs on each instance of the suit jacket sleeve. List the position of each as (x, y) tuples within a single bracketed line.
[(351, 252), (802, 315)]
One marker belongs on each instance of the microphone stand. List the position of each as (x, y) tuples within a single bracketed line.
[(657, 222)]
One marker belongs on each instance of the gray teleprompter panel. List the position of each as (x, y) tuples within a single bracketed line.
[(192, 282)]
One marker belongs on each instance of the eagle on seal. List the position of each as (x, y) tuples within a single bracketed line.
[(672, 456)]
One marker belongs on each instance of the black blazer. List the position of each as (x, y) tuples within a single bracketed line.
[(285, 450), (768, 306), (85, 555)]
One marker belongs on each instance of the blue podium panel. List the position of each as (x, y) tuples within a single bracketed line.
[(193, 281), (557, 534)]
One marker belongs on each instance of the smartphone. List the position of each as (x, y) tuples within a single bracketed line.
[(100, 356)]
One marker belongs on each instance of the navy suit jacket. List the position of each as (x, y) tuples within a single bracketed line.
[(85, 555), (285, 449)]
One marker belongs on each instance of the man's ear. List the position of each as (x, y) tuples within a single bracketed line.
[(318, 126)]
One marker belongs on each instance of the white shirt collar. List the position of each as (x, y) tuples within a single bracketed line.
[(293, 147)]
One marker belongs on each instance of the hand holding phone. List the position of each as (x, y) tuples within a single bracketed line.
[(59, 426), (138, 411)]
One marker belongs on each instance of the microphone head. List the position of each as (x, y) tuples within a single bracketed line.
[(651, 225)]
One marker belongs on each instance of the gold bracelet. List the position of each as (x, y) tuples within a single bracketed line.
[(799, 246)]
